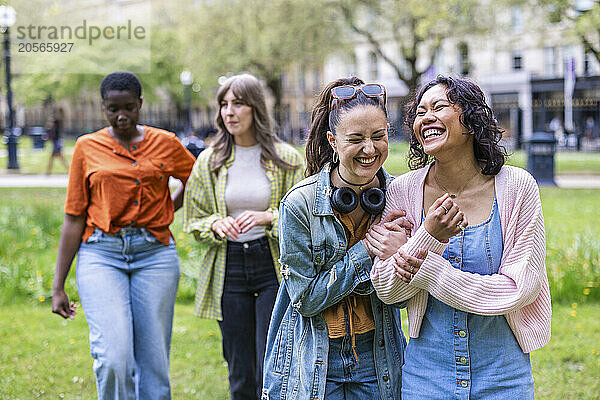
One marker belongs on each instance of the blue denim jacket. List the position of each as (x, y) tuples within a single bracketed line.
[(318, 272)]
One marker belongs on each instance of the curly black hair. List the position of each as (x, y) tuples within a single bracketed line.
[(475, 115), (121, 80)]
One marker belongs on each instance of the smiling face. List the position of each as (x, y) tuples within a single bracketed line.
[(122, 110), (361, 141), (437, 124), (238, 119)]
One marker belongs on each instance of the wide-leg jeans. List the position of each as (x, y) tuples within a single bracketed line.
[(127, 284)]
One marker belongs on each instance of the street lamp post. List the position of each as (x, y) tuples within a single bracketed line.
[(8, 16), (186, 79)]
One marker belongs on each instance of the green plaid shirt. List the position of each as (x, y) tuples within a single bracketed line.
[(204, 203)]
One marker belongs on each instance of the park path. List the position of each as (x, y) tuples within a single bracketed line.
[(19, 180)]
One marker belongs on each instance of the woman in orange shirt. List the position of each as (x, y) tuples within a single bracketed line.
[(117, 216)]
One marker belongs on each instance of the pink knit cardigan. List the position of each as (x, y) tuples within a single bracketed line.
[(519, 290)]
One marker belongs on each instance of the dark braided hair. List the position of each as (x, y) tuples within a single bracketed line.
[(475, 115), (318, 149), (121, 80)]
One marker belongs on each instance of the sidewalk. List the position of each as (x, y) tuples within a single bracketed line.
[(18, 180)]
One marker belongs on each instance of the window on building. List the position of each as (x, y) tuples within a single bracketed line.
[(590, 65), (301, 78), (464, 65), (373, 70), (517, 61), (550, 66), (516, 18)]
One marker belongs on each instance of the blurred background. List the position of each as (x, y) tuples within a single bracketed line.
[(537, 60)]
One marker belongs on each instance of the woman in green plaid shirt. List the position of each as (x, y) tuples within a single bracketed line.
[(231, 206)]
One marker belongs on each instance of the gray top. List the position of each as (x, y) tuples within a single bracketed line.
[(248, 188)]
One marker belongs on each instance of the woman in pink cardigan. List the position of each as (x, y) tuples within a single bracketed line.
[(473, 273)]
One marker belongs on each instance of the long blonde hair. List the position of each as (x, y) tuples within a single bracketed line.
[(248, 89)]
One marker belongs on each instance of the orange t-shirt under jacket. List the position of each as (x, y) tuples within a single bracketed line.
[(114, 187)]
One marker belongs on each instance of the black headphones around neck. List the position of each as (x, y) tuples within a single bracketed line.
[(344, 200)]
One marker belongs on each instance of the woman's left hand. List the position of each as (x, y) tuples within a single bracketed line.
[(249, 219), (407, 266)]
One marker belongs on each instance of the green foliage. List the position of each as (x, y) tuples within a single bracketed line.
[(407, 35), (573, 249), (583, 23), (263, 37)]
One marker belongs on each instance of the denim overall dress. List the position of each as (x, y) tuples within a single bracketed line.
[(460, 355)]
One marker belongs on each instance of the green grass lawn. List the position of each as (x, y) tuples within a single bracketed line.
[(44, 356)]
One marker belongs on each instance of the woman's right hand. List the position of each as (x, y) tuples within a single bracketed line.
[(226, 227), (444, 219), (61, 304)]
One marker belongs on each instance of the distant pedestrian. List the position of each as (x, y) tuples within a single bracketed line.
[(54, 135), (231, 206), (117, 216), (590, 128)]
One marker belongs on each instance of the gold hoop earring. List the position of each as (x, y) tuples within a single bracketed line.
[(335, 157)]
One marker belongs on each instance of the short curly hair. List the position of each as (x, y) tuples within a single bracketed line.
[(475, 115), (121, 80)]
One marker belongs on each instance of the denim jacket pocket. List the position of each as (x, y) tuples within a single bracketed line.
[(318, 255), (280, 347), (284, 343)]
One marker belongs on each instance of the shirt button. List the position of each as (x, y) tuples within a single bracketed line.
[(386, 378), (137, 181), (134, 163), (245, 245), (134, 147), (318, 259), (381, 343), (464, 384), (135, 202), (463, 360), (462, 334)]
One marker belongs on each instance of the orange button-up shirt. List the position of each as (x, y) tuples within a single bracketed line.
[(114, 187)]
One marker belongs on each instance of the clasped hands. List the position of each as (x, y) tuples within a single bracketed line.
[(233, 227), (444, 219)]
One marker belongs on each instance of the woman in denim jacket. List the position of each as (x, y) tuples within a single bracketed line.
[(330, 336)]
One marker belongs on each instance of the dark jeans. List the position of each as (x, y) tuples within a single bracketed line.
[(248, 298)]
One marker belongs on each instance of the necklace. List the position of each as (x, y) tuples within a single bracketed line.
[(360, 185), (459, 191)]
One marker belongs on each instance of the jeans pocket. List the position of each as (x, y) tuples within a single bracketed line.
[(95, 237), (149, 238)]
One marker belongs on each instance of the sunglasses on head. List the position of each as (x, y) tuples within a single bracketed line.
[(347, 92)]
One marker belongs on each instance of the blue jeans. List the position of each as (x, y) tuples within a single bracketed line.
[(347, 378), (127, 285), (248, 297)]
